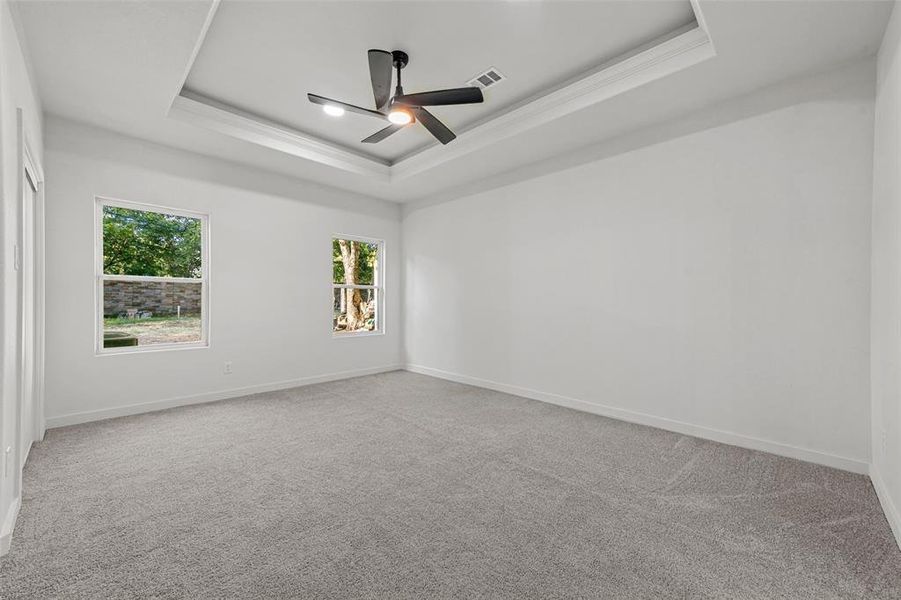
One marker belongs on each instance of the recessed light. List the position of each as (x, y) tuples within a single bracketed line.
[(332, 110)]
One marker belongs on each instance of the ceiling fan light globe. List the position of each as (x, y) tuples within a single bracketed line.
[(400, 117), (332, 110)]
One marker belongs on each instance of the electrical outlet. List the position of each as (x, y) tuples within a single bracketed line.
[(228, 367)]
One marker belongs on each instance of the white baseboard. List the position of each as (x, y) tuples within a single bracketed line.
[(888, 506), (134, 409), (717, 435), (9, 523)]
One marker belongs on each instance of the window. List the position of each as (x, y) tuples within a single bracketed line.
[(356, 286), (152, 271)]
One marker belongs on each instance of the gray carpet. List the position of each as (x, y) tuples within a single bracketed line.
[(404, 486)]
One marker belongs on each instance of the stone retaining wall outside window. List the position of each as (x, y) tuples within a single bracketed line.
[(161, 298)]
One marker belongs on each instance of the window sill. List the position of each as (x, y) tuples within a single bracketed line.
[(154, 348), (338, 336)]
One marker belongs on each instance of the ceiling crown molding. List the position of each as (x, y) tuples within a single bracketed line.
[(205, 112), (659, 60), (672, 53)]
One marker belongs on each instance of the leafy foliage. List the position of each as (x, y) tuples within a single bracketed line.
[(367, 261), (138, 242)]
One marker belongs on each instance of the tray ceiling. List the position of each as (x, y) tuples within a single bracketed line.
[(261, 58)]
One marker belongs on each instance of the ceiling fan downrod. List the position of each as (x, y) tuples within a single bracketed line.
[(400, 59)]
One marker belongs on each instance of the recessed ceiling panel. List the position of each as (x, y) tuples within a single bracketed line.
[(263, 57)]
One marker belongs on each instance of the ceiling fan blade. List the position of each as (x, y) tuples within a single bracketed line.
[(381, 134), (435, 127), (380, 71), (465, 95), (315, 99)]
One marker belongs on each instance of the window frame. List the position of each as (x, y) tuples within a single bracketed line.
[(100, 276), (378, 285)]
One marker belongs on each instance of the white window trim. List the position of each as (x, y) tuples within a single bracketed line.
[(379, 287), (99, 277)]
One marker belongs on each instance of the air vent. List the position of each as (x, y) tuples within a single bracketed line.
[(487, 79)]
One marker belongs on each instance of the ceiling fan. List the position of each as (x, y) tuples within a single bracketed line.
[(402, 109)]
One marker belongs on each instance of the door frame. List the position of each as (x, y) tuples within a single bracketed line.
[(30, 173)]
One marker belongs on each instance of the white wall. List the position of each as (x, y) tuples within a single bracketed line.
[(270, 289), (716, 283), (886, 285), (16, 92)]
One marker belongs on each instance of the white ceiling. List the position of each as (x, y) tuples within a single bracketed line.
[(263, 57), (120, 65)]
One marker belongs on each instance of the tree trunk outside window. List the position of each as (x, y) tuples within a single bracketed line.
[(353, 300)]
